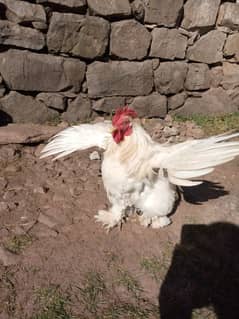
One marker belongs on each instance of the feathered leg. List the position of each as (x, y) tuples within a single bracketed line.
[(112, 217), (156, 203)]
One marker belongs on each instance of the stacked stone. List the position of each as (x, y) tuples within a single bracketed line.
[(72, 59)]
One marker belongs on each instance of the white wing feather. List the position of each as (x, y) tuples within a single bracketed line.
[(78, 137), (195, 158)]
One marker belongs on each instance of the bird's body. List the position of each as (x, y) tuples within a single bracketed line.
[(138, 172)]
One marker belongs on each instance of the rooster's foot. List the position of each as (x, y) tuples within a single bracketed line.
[(144, 221), (108, 219), (159, 222), (154, 222)]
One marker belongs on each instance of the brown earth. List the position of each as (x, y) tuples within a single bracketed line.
[(57, 262)]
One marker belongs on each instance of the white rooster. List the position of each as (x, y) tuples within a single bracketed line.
[(138, 172)]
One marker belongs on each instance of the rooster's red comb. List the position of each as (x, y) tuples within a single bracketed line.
[(123, 111)]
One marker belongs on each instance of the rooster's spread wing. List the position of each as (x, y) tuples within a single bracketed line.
[(195, 158), (78, 137)]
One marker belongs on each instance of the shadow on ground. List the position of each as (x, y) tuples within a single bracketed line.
[(203, 192), (204, 272)]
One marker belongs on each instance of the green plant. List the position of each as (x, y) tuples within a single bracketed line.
[(213, 124), (17, 243), (52, 304)]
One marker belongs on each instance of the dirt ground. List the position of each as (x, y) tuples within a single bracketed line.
[(57, 262)]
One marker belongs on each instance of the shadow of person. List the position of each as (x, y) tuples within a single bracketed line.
[(204, 272), (203, 192)]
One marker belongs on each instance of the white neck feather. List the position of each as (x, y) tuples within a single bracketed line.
[(133, 152)]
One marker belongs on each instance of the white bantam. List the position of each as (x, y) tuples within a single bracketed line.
[(138, 172)]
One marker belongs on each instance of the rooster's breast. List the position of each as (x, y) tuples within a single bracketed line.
[(117, 182)]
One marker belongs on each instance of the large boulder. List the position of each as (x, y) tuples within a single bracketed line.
[(177, 100), (24, 109), (200, 13), (229, 15), (55, 101), (163, 13), (230, 76), (168, 44), (42, 72), (214, 101), (170, 76), (108, 104), (63, 31), (208, 49), (216, 76), (23, 11), (234, 95), (120, 78), (110, 8), (231, 48), (129, 39), (14, 34), (153, 105), (86, 37), (78, 110), (198, 77)]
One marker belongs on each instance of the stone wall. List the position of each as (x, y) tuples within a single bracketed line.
[(72, 59)]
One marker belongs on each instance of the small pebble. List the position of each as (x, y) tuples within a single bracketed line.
[(94, 156)]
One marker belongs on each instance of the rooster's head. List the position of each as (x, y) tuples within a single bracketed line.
[(122, 123)]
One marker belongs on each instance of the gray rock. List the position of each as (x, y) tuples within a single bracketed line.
[(230, 69), (216, 76), (168, 44), (47, 221), (119, 78), (161, 12), (76, 4), (234, 95), (94, 156), (129, 39), (27, 134), (93, 38), (78, 110), (7, 258), (230, 76), (214, 101), (110, 8), (175, 101), (197, 77), (208, 49), (170, 76), (170, 131), (25, 109), (108, 104), (42, 72), (14, 34), (229, 15), (63, 31), (53, 100), (40, 26), (153, 105), (231, 48), (22, 11), (40, 230), (200, 13), (138, 9), (81, 36)]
